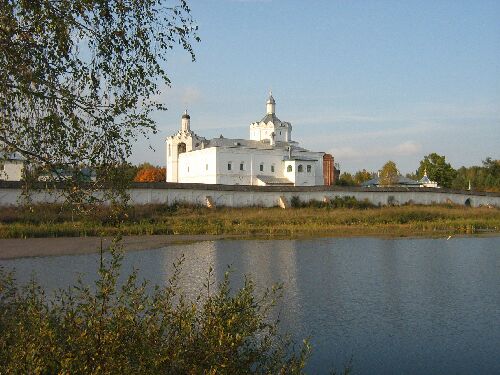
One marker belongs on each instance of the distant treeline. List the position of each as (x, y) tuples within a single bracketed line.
[(481, 178)]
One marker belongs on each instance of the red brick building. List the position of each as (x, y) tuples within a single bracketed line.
[(328, 170)]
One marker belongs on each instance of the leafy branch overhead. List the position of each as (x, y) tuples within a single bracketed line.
[(79, 78)]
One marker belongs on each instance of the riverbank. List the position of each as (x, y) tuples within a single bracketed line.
[(12, 248), (15, 248), (55, 221)]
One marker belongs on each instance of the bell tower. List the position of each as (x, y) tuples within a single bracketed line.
[(186, 122), (271, 104)]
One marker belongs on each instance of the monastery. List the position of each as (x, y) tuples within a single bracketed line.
[(269, 157)]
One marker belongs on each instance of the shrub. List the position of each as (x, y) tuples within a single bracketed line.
[(108, 329), (295, 202)]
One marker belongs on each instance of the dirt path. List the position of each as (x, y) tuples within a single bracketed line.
[(33, 247)]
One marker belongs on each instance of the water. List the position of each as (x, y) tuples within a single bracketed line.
[(397, 306)]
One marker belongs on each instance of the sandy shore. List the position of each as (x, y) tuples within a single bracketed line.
[(33, 247)]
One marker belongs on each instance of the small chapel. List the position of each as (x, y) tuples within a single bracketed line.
[(269, 157)]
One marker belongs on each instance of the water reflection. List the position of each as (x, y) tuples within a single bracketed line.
[(413, 306)]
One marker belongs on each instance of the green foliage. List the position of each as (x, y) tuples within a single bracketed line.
[(113, 329), (483, 178), (362, 176), (350, 202), (79, 81), (346, 179), (295, 202), (389, 174), (313, 218), (336, 202), (437, 170)]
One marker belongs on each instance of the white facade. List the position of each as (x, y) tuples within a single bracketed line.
[(11, 167), (426, 182), (269, 157)]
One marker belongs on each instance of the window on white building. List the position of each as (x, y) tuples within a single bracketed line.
[(261, 167), (289, 168), (242, 166), (308, 169), (206, 167), (229, 165), (300, 168), (169, 150), (181, 147), (272, 168), (188, 168)]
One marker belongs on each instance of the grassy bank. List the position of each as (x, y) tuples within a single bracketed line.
[(55, 221)]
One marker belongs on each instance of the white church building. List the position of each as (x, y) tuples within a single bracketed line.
[(269, 157)]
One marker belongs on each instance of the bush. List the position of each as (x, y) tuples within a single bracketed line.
[(109, 329)]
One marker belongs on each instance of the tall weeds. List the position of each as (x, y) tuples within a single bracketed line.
[(113, 329)]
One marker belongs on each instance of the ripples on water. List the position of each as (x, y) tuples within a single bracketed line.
[(403, 306)]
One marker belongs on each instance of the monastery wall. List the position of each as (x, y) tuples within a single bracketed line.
[(269, 196), (11, 170)]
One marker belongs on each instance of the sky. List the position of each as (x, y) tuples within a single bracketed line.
[(367, 81)]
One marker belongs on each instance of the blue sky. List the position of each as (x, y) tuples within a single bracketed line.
[(368, 81)]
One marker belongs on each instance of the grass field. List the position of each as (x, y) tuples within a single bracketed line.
[(56, 221)]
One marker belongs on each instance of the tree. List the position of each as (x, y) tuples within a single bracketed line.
[(149, 173), (389, 174), (482, 178), (437, 169), (346, 179), (130, 327), (78, 78), (362, 176)]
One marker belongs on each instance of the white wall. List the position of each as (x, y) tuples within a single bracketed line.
[(218, 159), (11, 170), (198, 166), (305, 178), (269, 197)]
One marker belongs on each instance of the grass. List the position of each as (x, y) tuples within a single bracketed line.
[(314, 220)]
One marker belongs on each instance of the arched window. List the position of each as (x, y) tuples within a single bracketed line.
[(261, 167), (181, 147), (308, 169), (289, 168), (300, 168)]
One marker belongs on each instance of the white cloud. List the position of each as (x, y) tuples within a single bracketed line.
[(408, 148), (190, 96), (179, 96)]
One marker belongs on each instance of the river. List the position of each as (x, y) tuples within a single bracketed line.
[(397, 306)]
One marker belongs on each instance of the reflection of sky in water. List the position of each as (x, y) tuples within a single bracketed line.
[(414, 306)]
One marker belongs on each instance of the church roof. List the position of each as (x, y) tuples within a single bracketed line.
[(251, 144), (271, 180), (402, 181), (271, 117), (425, 180), (10, 156)]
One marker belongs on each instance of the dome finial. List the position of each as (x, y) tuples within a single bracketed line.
[(270, 104), (186, 121)]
